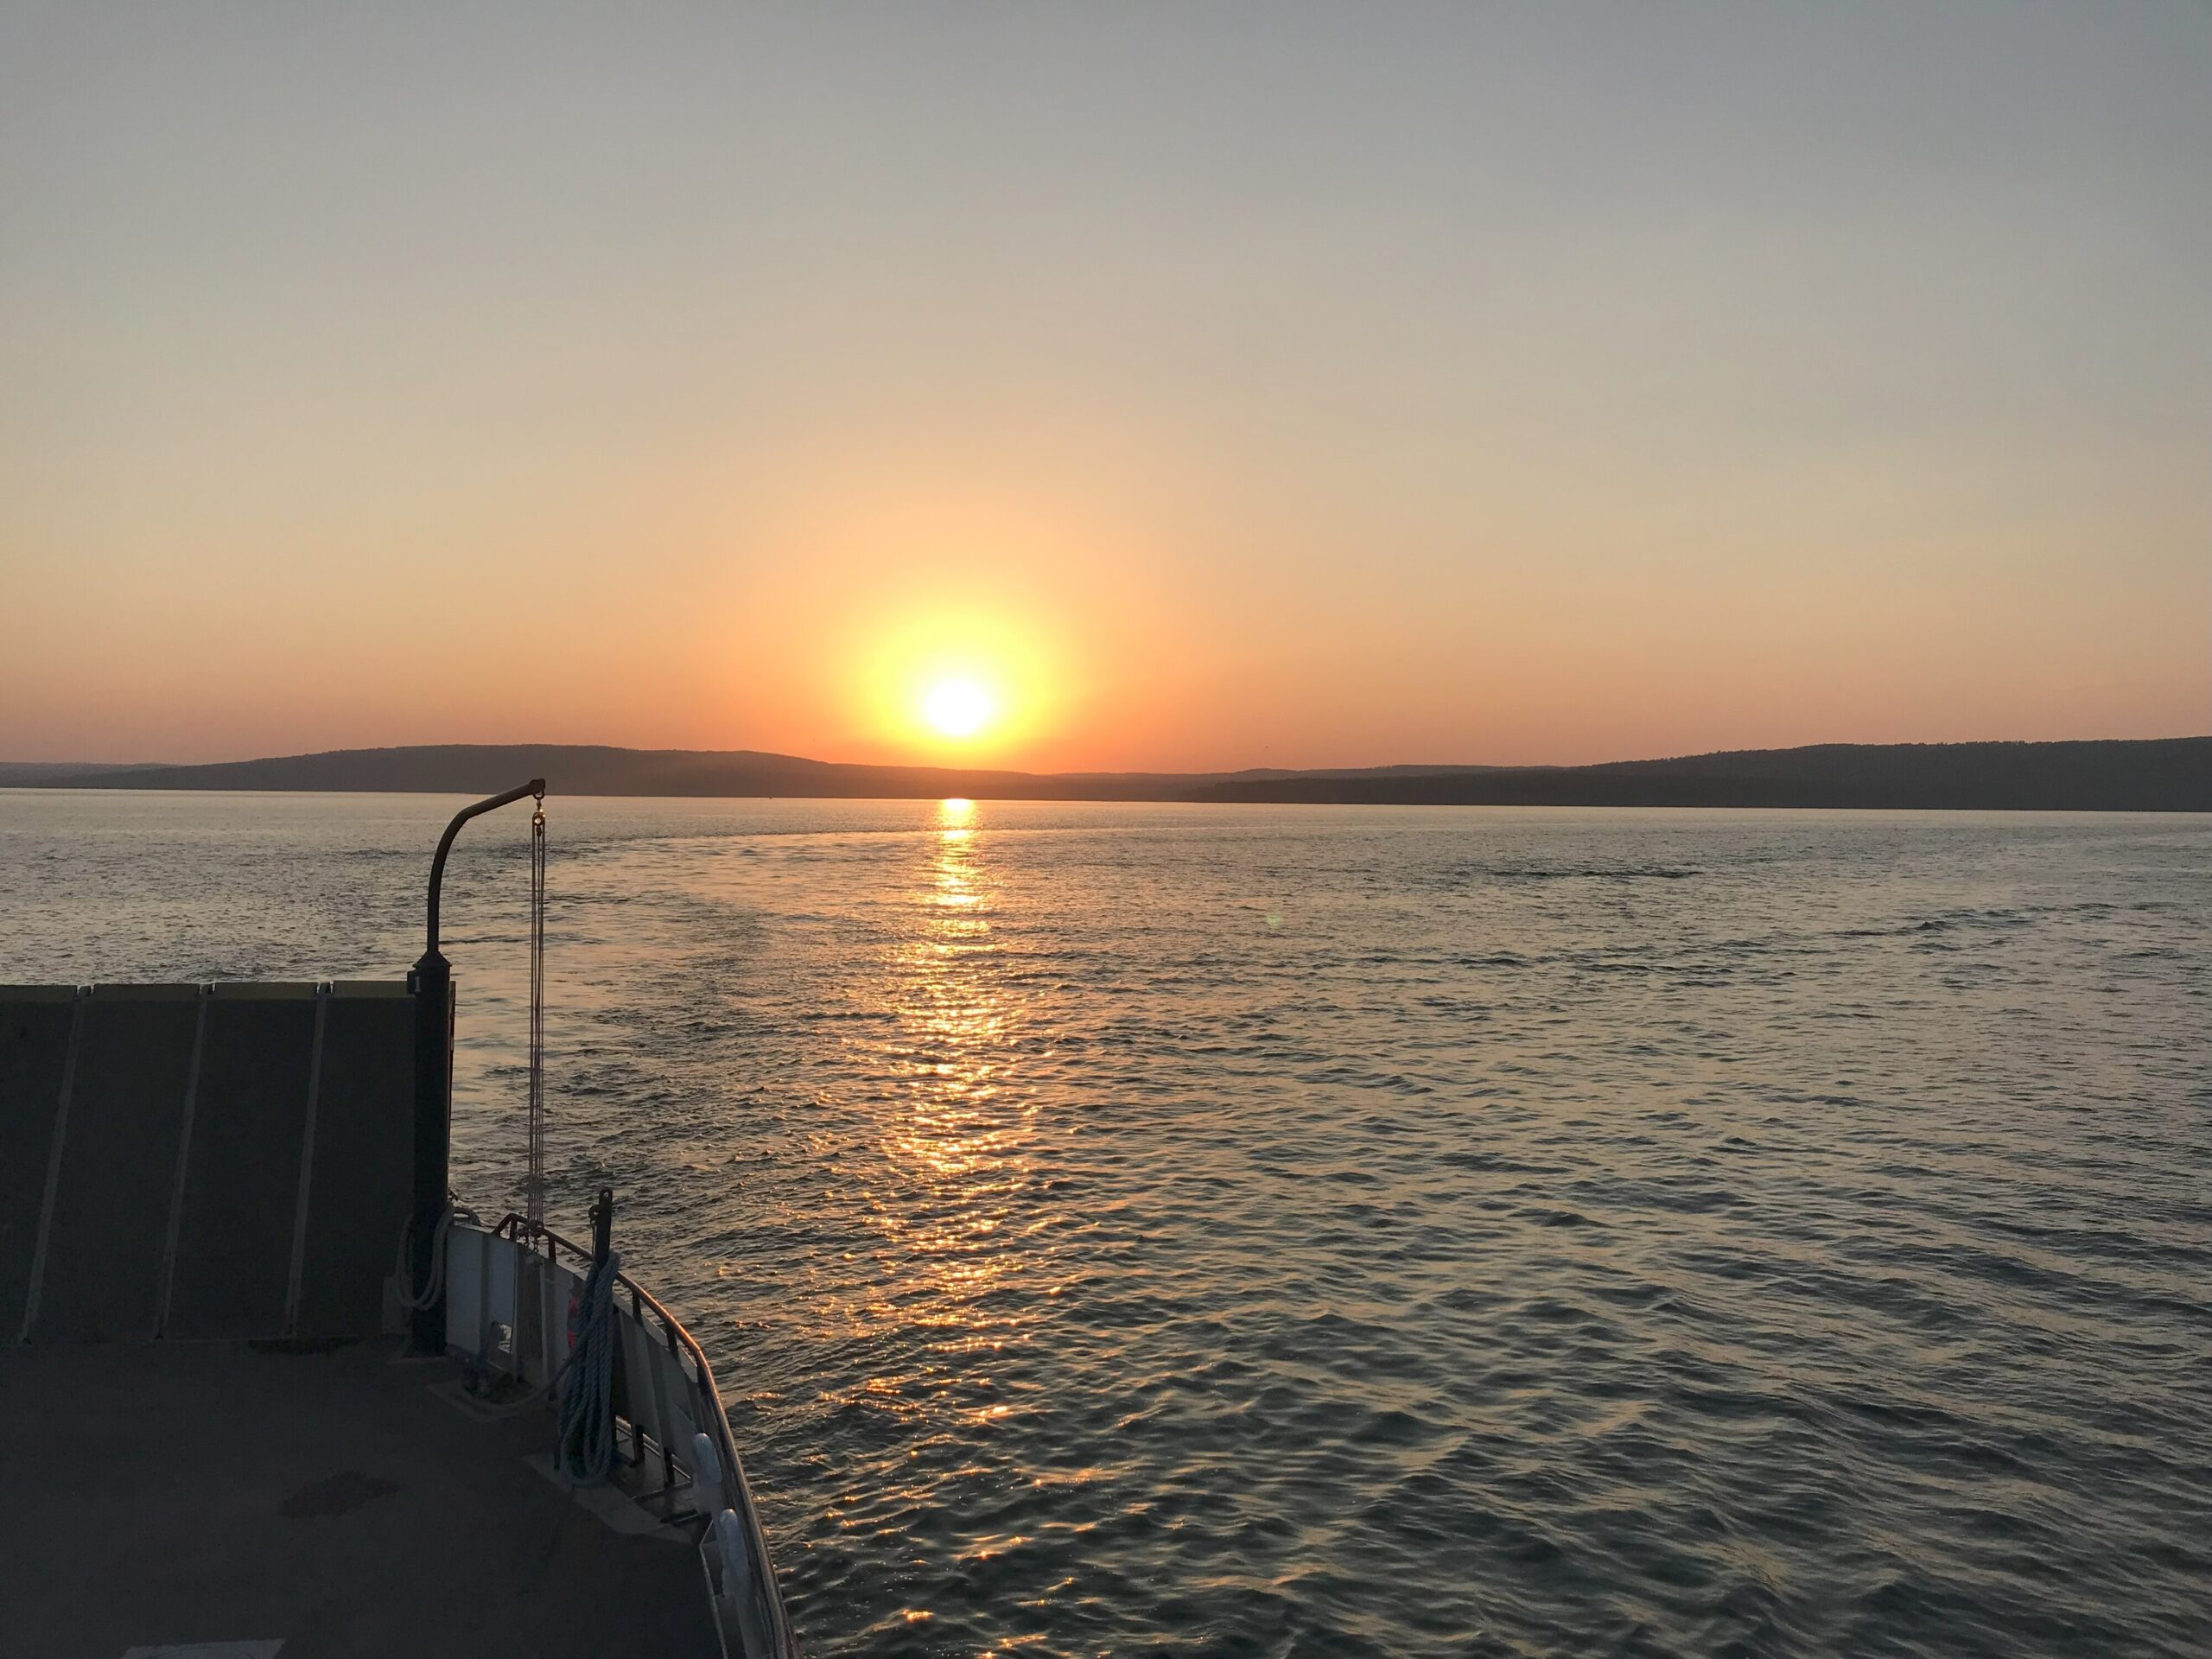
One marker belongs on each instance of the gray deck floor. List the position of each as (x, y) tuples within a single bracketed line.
[(177, 1493)]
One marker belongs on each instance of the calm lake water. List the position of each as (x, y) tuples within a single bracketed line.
[(1302, 1230)]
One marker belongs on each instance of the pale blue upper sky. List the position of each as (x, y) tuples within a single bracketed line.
[(1337, 384)]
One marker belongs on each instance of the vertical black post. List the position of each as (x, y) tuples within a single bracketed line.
[(602, 1245), (602, 1226), (432, 983)]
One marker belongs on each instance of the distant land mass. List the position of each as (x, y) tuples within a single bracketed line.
[(47, 774), (2147, 775)]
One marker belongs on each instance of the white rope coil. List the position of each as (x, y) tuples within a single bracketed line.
[(412, 1296)]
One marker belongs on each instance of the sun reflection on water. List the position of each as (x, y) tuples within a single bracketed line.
[(956, 1126)]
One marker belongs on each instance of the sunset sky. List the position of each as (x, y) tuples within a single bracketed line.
[(1158, 384)]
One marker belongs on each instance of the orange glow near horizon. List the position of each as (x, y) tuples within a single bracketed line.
[(938, 686)]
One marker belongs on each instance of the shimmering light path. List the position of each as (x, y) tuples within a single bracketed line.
[(1313, 1230)]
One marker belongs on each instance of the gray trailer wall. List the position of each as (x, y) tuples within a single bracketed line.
[(183, 1161)]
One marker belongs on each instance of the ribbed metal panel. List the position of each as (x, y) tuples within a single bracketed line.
[(108, 1223), (186, 1161), (35, 1026), (359, 1185), (242, 1165)]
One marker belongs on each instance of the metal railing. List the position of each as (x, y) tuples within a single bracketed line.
[(536, 1240)]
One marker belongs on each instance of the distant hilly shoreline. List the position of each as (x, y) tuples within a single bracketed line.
[(2144, 775)]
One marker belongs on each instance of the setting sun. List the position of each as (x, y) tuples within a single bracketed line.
[(940, 684), (958, 708)]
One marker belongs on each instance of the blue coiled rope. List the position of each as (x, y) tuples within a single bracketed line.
[(587, 1381)]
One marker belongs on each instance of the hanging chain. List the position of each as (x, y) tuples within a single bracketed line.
[(534, 1181)]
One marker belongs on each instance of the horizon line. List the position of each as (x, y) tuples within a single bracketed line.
[(1310, 770)]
